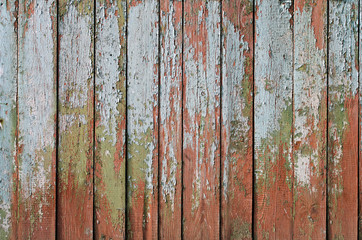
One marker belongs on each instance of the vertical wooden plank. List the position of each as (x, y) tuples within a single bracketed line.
[(343, 120), (310, 118), (110, 154), (201, 115), (170, 119), (142, 119), (273, 119), (8, 118), (237, 119), (360, 122), (75, 167), (37, 119)]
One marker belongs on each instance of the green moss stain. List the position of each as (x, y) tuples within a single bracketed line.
[(240, 230), (277, 138)]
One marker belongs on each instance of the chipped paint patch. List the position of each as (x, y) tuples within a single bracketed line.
[(236, 111), (309, 92)]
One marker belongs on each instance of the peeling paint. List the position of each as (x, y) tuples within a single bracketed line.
[(170, 120), (310, 119), (75, 187), (8, 114), (237, 112), (142, 121), (37, 115), (110, 178), (273, 119), (343, 121), (201, 119)]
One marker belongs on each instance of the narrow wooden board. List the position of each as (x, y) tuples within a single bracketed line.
[(110, 128), (237, 119), (37, 119), (273, 119), (310, 118), (360, 127), (76, 126), (343, 120), (8, 119), (201, 116), (170, 120), (142, 119)]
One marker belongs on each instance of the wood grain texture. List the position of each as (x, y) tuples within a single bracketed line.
[(76, 126), (170, 188), (37, 119), (201, 115), (310, 119), (110, 107), (343, 120), (142, 119), (8, 119), (273, 120), (237, 119)]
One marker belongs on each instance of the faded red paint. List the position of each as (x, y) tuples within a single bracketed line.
[(75, 207), (343, 206), (311, 204), (319, 13), (75, 199), (141, 225)]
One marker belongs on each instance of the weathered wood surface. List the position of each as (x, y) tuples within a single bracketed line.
[(273, 215), (237, 119), (147, 119), (142, 118), (310, 119), (343, 120), (110, 120), (36, 154), (170, 155), (8, 119), (76, 120), (201, 119)]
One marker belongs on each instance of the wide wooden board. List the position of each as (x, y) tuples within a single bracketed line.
[(310, 119), (273, 215), (37, 118), (142, 119), (110, 120), (8, 119), (76, 120), (237, 119), (343, 120), (201, 119)]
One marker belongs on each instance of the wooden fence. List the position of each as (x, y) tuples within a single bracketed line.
[(170, 119)]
